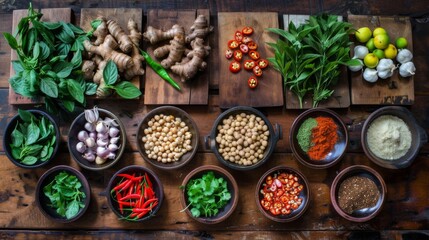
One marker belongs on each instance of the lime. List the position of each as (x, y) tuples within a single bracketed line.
[(379, 31), (370, 60), (391, 51), (370, 44), (379, 53), (363, 34), (381, 41), (401, 43)]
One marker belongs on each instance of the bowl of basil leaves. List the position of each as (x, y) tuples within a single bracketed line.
[(31, 138), (63, 194), (209, 194)]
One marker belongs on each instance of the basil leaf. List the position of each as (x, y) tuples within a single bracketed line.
[(75, 90), (69, 105), (17, 66), (63, 49), (32, 80), (46, 33), (33, 133), (45, 51), (66, 34), (49, 87), (11, 40), (52, 25), (20, 85), (127, 90), (36, 50), (63, 69), (17, 138), (95, 23), (110, 73), (75, 29), (29, 160), (77, 59), (90, 88), (25, 115)]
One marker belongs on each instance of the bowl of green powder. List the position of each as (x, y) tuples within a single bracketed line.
[(318, 138), (392, 138)]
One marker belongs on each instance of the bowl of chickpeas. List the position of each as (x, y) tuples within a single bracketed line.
[(167, 137), (242, 138)]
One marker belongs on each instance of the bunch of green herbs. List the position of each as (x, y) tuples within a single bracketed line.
[(65, 195), (33, 138), (207, 195), (309, 56), (112, 81)]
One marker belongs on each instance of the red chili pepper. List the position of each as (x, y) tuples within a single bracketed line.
[(120, 185), (119, 196), (133, 215), (249, 64), (238, 55), (130, 196), (234, 67), (257, 71), (145, 204), (148, 180), (128, 204), (252, 82), (247, 30), (244, 48), (238, 36), (228, 54), (254, 55), (233, 44), (140, 215), (246, 40), (262, 63)]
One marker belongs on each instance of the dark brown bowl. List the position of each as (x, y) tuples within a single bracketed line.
[(138, 171), (78, 125), (339, 149), (7, 139), (176, 112), (231, 185), (418, 137), (304, 194), (364, 171), (43, 202), (275, 135)]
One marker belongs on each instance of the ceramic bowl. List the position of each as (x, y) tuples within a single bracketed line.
[(137, 171), (274, 135), (418, 137), (232, 187), (43, 202), (365, 214), (177, 113), (274, 187), (7, 140), (78, 125), (334, 156)]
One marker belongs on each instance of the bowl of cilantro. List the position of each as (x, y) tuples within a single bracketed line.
[(209, 194), (63, 194)]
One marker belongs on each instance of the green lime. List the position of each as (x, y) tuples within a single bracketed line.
[(370, 44), (401, 43), (363, 34), (379, 53), (371, 60)]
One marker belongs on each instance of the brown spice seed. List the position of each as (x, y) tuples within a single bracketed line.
[(356, 193)]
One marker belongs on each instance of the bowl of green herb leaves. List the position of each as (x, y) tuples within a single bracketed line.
[(31, 138), (209, 194), (63, 194)]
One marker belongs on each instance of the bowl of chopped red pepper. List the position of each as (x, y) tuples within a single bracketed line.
[(282, 194), (135, 193), (209, 194), (318, 138)]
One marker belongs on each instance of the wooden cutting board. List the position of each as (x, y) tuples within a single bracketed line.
[(49, 15), (120, 15), (395, 90), (233, 89), (341, 96), (158, 91)]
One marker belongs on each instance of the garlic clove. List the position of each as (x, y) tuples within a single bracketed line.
[(110, 122), (111, 156), (101, 127), (89, 127), (113, 147), (90, 142), (81, 147), (93, 135), (90, 156), (102, 142), (102, 135), (102, 152), (82, 135), (99, 160), (114, 140), (360, 52), (113, 132)]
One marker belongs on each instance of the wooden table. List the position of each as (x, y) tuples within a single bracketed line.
[(405, 214)]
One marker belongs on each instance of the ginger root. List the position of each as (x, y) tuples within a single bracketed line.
[(88, 68), (199, 29), (118, 33), (175, 51), (154, 35), (101, 32), (137, 58)]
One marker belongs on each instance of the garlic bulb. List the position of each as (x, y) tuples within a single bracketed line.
[(357, 67), (360, 52), (407, 69), (385, 68), (370, 75), (404, 56)]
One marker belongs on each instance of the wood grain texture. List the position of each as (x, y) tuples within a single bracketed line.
[(158, 91), (49, 15), (395, 90), (233, 89), (341, 96)]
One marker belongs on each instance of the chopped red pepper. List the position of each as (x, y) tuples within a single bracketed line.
[(234, 67), (254, 55), (257, 71), (252, 45), (228, 54), (247, 30), (249, 64), (238, 55), (233, 44), (246, 40), (262, 63), (238, 36), (252, 82), (244, 48)]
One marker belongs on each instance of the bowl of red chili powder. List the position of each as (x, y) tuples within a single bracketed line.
[(318, 138)]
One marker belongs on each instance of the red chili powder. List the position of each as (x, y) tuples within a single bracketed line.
[(323, 136)]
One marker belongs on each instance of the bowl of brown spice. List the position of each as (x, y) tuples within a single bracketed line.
[(392, 138), (318, 138), (358, 193)]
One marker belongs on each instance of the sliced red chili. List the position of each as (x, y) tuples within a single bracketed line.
[(262, 63), (265, 204), (252, 45), (234, 67), (249, 64), (238, 36), (252, 82), (247, 30), (258, 72), (275, 211), (233, 44), (254, 55), (244, 48), (228, 53), (238, 55)]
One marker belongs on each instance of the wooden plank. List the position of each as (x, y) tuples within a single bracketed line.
[(158, 91), (341, 96), (49, 15), (233, 89), (402, 93), (121, 16)]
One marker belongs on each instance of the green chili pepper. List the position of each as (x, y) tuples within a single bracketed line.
[(159, 69)]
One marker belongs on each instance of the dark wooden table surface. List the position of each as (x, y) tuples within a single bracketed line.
[(405, 214)]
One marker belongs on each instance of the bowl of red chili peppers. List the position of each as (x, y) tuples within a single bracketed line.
[(282, 194), (318, 138), (135, 193)]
